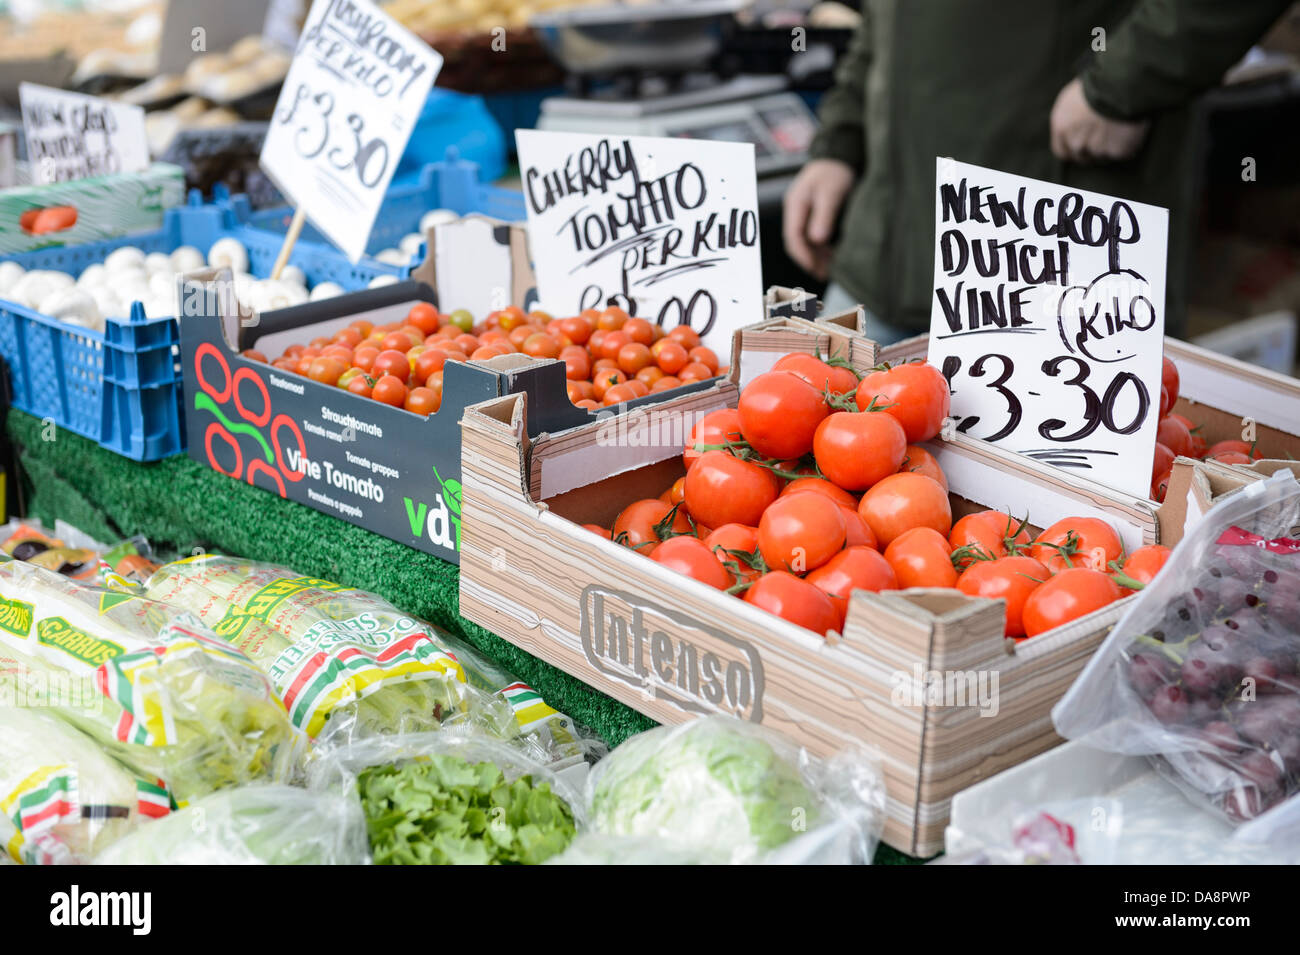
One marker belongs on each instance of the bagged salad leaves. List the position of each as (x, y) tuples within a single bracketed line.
[(349, 664), (1201, 674), (723, 790), (149, 684), (251, 825), (456, 797), (62, 798)]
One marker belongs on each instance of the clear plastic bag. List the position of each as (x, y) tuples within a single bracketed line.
[(722, 790), (149, 684), (454, 796), (1201, 672), (62, 798), (251, 825), (348, 664)]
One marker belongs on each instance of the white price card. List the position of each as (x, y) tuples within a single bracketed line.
[(1048, 320), (354, 91), (72, 136), (665, 228)]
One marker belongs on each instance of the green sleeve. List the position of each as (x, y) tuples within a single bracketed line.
[(843, 110), (1167, 51)]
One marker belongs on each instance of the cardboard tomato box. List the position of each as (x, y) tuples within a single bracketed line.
[(378, 467), (924, 675)]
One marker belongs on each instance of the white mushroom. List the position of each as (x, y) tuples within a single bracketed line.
[(37, 285), (392, 257), (74, 306), (161, 306), (186, 258), (92, 276), (410, 244), (10, 273), (291, 273), (126, 257), (436, 217), (228, 252), (106, 300), (325, 290), (381, 280), (157, 262), (270, 294)]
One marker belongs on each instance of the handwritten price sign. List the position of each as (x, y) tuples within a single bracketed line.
[(357, 84), (71, 136), (667, 229), (1048, 320)]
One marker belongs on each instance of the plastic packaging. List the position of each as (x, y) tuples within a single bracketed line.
[(149, 684), (251, 825), (62, 798), (349, 664), (454, 796), (722, 790), (1201, 672)]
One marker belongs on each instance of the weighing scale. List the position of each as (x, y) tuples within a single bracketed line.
[(746, 109)]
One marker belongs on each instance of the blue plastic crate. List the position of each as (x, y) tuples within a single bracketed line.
[(121, 387), (451, 184)]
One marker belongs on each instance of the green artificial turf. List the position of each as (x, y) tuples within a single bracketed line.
[(178, 504)]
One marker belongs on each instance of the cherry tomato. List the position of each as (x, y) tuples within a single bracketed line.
[(716, 427), (633, 357), (638, 524), (854, 568), (1169, 380), (694, 371), (1239, 447), (686, 336), (857, 449), (604, 380), (422, 401), (612, 344), (669, 355), (801, 532), (915, 393), (616, 394), (346, 378), (818, 373), (1174, 435), (985, 535), (902, 501), (391, 362), (1067, 596), (1143, 564), (706, 357), (921, 461), (1077, 542), (612, 319), (692, 557), (541, 345), (326, 370), (920, 558), (576, 329), (1011, 579), (390, 390), (722, 489), (348, 336), (820, 486), (428, 362), (424, 317), (666, 383), (362, 385), (781, 593), (779, 414), (639, 331), (396, 341), (252, 354)]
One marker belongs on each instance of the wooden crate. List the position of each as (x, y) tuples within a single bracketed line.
[(674, 648)]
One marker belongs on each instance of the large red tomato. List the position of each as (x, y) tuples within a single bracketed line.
[(818, 373), (903, 501), (1068, 596), (637, 525), (915, 393), (820, 486), (794, 599), (1143, 564), (801, 532), (1077, 542), (779, 414), (1011, 579), (692, 557), (854, 568), (986, 534), (722, 489), (857, 449), (920, 558), (716, 427)]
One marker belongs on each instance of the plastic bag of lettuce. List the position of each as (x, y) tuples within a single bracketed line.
[(722, 790), (454, 797)]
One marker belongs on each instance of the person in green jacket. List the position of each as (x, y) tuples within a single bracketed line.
[(1094, 94)]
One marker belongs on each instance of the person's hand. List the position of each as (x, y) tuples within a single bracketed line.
[(812, 204), (1080, 134)]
